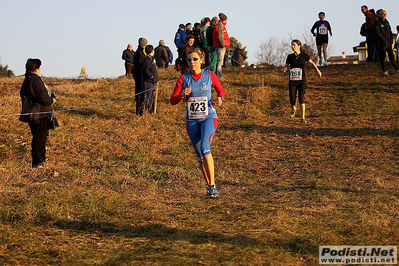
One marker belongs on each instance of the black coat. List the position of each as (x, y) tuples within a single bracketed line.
[(161, 55), (149, 74), (128, 55), (383, 33), (34, 93)]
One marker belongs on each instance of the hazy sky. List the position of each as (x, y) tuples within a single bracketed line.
[(67, 35)]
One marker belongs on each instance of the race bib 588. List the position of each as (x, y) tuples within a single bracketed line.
[(295, 74)]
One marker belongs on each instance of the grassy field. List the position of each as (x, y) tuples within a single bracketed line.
[(122, 190)]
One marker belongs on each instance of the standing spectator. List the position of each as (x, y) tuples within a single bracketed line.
[(161, 55), (138, 62), (127, 55), (371, 19), (205, 25), (189, 30), (183, 51), (34, 92), (323, 27), (149, 78), (397, 41), (198, 40), (170, 56), (180, 36), (239, 56), (221, 42), (209, 37), (385, 41)]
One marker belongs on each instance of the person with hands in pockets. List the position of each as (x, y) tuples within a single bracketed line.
[(195, 87), (297, 82)]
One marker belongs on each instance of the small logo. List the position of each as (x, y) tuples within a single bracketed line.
[(358, 254)]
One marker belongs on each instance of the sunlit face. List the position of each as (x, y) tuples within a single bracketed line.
[(190, 42), (364, 10), (384, 15), (295, 47), (194, 61)]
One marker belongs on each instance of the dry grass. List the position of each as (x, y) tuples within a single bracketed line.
[(123, 190)]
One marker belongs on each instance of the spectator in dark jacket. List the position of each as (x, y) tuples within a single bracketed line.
[(170, 54), (161, 55), (371, 19), (198, 40), (138, 62), (385, 41), (189, 29), (183, 51), (127, 55), (239, 56), (34, 93), (149, 78)]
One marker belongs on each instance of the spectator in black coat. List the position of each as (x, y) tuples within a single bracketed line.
[(161, 55), (138, 62), (34, 93), (385, 41), (149, 78), (128, 55), (239, 56)]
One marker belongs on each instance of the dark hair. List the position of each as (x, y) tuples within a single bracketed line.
[(196, 24), (181, 27), (303, 50), (322, 13), (32, 64), (205, 20), (365, 7), (190, 36), (397, 28), (148, 49)]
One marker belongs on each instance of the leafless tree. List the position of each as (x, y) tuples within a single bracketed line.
[(273, 51)]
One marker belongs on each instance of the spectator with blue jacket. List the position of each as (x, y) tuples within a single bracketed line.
[(180, 36)]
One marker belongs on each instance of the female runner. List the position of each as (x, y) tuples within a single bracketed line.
[(296, 62), (195, 87)]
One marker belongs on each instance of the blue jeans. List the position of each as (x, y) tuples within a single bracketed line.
[(220, 51)]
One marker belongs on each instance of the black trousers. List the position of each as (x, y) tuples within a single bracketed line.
[(382, 54), (39, 137), (299, 87)]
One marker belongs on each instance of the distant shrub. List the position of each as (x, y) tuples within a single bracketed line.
[(5, 72)]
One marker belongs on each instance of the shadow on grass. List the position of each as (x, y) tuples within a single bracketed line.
[(161, 232), (332, 132), (155, 231)]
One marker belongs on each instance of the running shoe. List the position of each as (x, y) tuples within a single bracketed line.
[(292, 114), (303, 121), (212, 192), (385, 74)]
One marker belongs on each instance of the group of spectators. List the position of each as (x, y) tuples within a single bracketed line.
[(379, 37), (141, 66), (211, 36)]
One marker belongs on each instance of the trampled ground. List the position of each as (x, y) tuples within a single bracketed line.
[(123, 190)]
